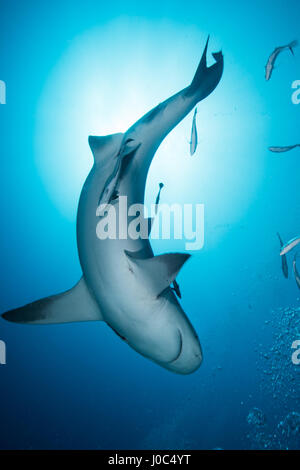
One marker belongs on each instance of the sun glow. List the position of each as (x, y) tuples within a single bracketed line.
[(107, 79)]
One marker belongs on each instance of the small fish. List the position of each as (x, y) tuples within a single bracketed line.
[(285, 268), (161, 185), (194, 136), (272, 59), (176, 288), (290, 245), (283, 149), (297, 277)]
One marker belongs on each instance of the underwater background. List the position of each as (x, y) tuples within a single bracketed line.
[(74, 68)]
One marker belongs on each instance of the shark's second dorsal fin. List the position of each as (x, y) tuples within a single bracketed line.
[(158, 272), (106, 146)]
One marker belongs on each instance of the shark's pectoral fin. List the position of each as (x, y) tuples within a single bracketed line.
[(74, 305), (157, 272)]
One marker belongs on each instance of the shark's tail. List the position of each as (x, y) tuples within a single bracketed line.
[(207, 78), (292, 45)]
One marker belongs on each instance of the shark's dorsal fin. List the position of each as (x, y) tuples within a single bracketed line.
[(158, 272), (105, 146)]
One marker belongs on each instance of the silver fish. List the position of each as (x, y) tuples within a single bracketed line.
[(272, 59), (123, 284), (194, 135), (285, 268), (161, 185), (176, 289), (290, 245), (283, 149), (296, 273)]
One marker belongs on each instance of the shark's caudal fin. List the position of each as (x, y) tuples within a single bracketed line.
[(74, 305), (207, 75), (158, 272)]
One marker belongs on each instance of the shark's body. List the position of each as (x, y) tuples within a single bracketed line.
[(123, 283)]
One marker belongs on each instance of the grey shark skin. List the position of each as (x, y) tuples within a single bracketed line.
[(123, 283)]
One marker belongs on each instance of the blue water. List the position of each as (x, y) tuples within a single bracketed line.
[(84, 67)]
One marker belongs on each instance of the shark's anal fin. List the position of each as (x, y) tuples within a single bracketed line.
[(158, 272), (74, 305)]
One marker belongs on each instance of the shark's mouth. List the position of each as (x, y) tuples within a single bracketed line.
[(180, 348)]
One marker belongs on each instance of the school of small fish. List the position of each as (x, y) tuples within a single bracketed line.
[(270, 65), (284, 248)]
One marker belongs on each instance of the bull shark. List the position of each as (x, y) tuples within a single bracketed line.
[(123, 283)]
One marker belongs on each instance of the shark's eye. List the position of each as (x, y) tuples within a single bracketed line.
[(128, 140)]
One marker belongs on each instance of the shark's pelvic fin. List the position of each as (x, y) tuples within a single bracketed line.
[(74, 305), (158, 272), (104, 146)]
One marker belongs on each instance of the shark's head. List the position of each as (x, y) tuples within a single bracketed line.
[(166, 336), (161, 331), (189, 357)]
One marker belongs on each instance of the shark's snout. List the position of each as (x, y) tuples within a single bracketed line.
[(190, 357)]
